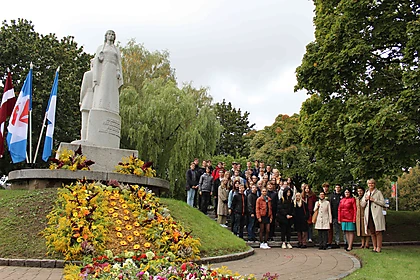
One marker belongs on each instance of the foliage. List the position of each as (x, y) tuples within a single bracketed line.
[(362, 72), (134, 165), (20, 44), (235, 127), (149, 266), (93, 217), (71, 160), (166, 124), (280, 145), (408, 190)]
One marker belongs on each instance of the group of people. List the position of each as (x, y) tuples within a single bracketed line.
[(260, 197)]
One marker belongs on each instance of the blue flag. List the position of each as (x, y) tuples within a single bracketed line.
[(50, 119), (17, 135)]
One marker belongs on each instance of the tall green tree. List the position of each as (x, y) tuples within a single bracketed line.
[(362, 70), (236, 126), (166, 124), (20, 45)]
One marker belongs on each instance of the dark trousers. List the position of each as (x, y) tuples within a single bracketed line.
[(251, 228), (286, 230), (323, 238), (238, 226), (273, 225), (205, 200)]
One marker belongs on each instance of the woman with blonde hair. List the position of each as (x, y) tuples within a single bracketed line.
[(301, 220), (373, 203)]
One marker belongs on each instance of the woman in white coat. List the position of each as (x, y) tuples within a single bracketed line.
[(373, 203), (323, 220)]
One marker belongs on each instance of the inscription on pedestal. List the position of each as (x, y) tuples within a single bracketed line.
[(111, 126)]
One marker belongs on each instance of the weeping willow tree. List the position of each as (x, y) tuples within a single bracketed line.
[(166, 124)]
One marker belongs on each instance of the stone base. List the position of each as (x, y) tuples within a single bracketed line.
[(105, 158), (31, 179)]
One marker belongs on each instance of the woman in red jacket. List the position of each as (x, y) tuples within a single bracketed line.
[(347, 217)]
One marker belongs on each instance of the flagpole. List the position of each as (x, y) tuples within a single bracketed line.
[(396, 196), (30, 126), (40, 136)]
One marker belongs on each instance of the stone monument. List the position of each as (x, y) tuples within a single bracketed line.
[(99, 106)]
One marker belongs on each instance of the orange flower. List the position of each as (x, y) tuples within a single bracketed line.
[(123, 243), (126, 211), (86, 212), (119, 234), (129, 227), (136, 247), (130, 238), (136, 233)]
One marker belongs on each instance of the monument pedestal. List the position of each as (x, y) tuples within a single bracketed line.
[(105, 158), (104, 128)]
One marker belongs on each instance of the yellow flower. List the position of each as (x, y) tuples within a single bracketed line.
[(117, 195), (122, 200), (136, 233), (113, 203), (147, 245), (136, 247), (115, 215), (126, 212), (118, 222), (94, 227), (130, 238), (112, 197), (79, 239), (123, 243), (118, 229), (128, 227), (110, 210), (136, 224), (126, 218), (124, 206), (119, 234)]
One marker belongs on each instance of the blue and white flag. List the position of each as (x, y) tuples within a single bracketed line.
[(50, 119), (18, 124)]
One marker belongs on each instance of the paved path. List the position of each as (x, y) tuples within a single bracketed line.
[(294, 263), (309, 263)]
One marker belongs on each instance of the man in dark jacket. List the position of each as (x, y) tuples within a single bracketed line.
[(192, 184), (271, 192), (334, 199), (252, 201), (240, 210)]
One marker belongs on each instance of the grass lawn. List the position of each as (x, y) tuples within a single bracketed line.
[(400, 262), (23, 217)]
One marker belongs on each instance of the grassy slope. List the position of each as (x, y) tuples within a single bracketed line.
[(23, 217), (391, 263), (215, 240)]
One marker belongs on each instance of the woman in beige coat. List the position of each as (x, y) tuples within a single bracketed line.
[(323, 220), (222, 205), (373, 202), (360, 219)]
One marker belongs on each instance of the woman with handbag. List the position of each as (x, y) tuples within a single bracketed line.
[(322, 219)]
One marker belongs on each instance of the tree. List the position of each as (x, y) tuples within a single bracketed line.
[(235, 127), (20, 44), (166, 124), (362, 69)]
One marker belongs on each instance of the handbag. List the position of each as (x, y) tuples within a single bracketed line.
[(315, 216)]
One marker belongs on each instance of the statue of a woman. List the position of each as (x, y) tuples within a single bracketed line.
[(107, 75)]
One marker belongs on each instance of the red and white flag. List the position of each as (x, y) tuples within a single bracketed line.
[(7, 103)]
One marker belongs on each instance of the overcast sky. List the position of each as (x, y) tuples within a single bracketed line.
[(245, 51)]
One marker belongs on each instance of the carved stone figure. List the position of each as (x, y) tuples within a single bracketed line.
[(107, 75), (86, 96)]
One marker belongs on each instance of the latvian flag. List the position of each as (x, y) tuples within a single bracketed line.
[(7, 103)]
